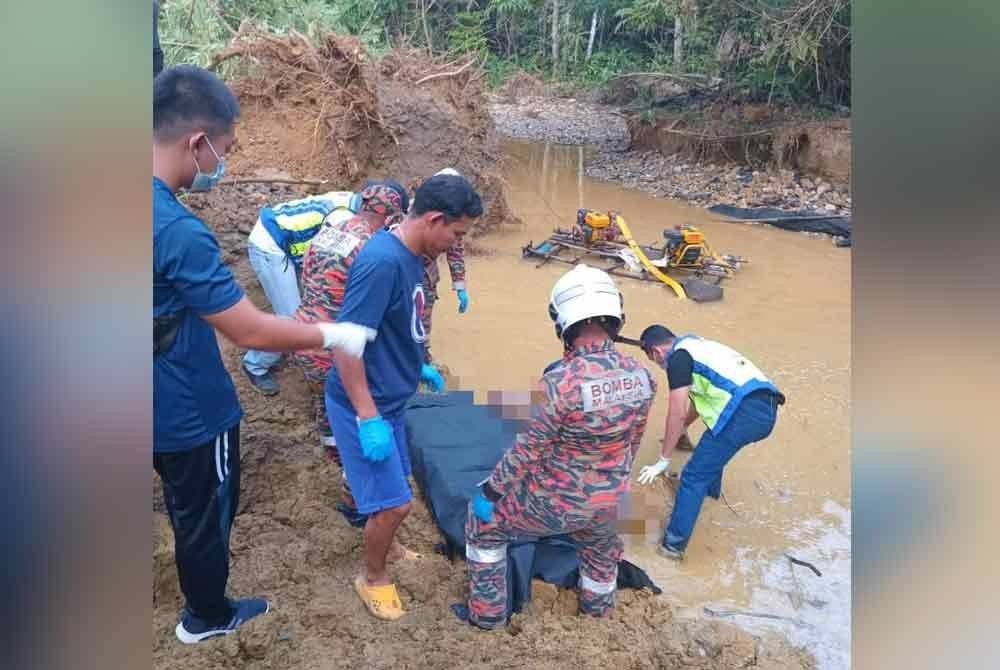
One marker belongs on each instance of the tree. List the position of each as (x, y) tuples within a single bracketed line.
[(555, 38), (593, 33)]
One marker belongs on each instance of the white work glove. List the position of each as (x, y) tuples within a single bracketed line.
[(348, 337), (651, 472)]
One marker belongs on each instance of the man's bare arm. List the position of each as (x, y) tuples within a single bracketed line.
[(352, 375), (250, 328), (692, 415), (677, 415)]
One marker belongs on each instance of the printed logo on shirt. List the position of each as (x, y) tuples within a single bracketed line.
[(336, 241), (627, 387), (417, 318)]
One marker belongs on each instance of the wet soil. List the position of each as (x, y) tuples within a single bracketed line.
[(291, 546)]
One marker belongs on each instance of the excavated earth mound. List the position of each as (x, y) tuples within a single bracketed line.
[(326, 111)]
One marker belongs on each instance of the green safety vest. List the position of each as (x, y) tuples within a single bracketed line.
[(721, 378), (293, 224)]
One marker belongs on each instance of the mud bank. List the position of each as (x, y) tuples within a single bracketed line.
[(708, 184), (329, 112), (802, 166), (561, 121)]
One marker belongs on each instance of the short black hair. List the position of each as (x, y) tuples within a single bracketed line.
[(404, 197), (655, 335), (453, 196), (186, 98)]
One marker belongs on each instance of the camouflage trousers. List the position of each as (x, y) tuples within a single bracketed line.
[(316, 380), (431, 279), (540, 515)]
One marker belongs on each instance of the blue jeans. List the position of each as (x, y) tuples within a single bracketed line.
[(753, 421), (279, 277)]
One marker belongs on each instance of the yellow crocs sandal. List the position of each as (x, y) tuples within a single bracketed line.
[(381, 601)]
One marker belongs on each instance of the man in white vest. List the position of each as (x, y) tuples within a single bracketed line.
[(737, 402), (277, 246)]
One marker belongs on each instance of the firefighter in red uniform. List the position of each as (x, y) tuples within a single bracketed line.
[(569, 467)]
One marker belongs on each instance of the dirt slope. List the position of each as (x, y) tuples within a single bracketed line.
[(327, 112)]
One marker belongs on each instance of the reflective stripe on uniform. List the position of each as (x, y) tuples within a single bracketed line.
[(299, 248), (588, 584), (478, 555)]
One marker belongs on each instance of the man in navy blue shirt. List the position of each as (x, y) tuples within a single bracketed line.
[(366, 398), (196, 413)]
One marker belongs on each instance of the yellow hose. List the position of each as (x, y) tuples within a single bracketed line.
[(652, 269)]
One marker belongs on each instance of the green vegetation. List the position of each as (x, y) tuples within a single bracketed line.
[(788, 51)]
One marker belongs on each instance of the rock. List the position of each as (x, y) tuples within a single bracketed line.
[(823, 188), (712, 184), (258, 637)]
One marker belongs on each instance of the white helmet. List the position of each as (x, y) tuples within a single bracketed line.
[(585, 293), (452, 171)]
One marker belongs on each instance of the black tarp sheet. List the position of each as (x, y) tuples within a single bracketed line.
[(804, 221), (454, 444)]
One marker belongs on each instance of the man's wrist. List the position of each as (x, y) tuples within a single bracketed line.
[(366, 415), (666, 449)]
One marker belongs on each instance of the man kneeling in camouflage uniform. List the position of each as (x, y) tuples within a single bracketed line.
[(571, 464)]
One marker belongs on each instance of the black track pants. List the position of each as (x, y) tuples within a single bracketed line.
[(201, 488)]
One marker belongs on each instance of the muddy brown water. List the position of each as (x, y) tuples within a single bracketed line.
[(788, 310)]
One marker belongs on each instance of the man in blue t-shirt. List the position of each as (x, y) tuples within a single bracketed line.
[(366, 398), (196, 413)]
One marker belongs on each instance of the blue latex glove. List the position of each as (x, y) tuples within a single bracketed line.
[(377, 439), (482, 508), (463, 301), (430, 376)]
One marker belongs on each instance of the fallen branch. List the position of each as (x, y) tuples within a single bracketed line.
[(222, 19), (664, 75), (720, 138), (444, 74), (731, 509), (275, 180), (804, 564), (186, 45), (780, 219), (755, 615)]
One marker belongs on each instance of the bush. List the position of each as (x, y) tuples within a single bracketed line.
[(191, 31)]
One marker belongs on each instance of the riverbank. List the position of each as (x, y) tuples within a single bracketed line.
[(617, 158)]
